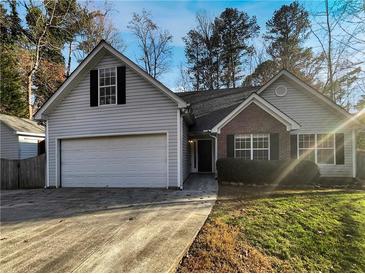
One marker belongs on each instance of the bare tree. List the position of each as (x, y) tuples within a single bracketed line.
[(154, 43), (339, 29), (41, 20), (96, 26), (183, 82), (48, 26)]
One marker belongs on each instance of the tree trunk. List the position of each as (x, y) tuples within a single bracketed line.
[(30, 79), (69, 59), (329, 57), (36, 61), (29, 87)]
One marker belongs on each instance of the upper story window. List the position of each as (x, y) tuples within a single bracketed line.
[(252, 146), (107, 86)]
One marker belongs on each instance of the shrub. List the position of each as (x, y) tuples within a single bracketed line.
[(293, 172)]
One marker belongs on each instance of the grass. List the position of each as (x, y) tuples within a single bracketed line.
[(257, 230)]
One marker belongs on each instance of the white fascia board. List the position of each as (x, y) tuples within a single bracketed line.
[(263, 104), (181, 103), (30, 134)]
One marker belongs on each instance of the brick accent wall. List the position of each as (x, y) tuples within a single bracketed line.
[(253, 119)]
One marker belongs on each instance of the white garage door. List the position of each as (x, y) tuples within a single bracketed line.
[(132, 161)]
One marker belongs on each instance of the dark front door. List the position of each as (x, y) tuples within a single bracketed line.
[(204, 155)]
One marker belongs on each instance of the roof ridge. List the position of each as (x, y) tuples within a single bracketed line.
[(217, 90), (222, 95)]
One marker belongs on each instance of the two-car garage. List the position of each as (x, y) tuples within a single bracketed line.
[(114, 161)]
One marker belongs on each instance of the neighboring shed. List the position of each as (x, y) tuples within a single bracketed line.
[(20, 138)]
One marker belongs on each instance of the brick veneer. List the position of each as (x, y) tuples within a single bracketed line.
[(253, 119)]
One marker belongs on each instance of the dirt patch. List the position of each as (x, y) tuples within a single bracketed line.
[(219, 248)]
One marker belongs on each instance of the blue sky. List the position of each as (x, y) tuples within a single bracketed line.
[(179, 17)]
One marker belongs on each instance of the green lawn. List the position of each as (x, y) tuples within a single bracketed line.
[(257, 230)]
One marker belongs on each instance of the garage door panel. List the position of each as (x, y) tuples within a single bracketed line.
[(133, 161)]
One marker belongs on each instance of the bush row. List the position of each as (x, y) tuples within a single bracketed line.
[(258, 172)]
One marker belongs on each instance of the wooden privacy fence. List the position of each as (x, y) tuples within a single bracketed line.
[(361, 164), (27, 173)]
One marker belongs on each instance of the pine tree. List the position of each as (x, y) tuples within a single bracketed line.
[(286, 33), (194, 48), (215, 49), (262, 74), (235, 28), (12, 96)]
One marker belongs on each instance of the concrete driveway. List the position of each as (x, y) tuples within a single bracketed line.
[(102, 230)]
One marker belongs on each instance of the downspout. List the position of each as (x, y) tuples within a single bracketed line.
[(47, 155), (178, 148), (181, 112)]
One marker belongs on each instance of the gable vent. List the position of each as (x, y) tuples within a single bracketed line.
[(281, 91)]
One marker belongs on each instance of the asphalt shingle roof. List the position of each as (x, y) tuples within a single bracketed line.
[(21, 124), (210, 107)]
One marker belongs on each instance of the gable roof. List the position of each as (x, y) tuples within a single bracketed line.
[(211, 107), (308, 88), (263, 104), (22, 125), (103, 45)]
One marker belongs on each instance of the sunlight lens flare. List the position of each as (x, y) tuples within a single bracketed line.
[(348, 122)]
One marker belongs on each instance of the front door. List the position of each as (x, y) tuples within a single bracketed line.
[(204, 155)]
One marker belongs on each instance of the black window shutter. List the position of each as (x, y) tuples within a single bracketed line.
[(230, 146), (121, 85), (340, 148), (93, 88), (293, 146), (274, 146)]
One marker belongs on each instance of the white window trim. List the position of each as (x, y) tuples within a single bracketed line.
[(333, 149), (245, 149), (316, 148), (116, 87), (315, 144), (251, 149)]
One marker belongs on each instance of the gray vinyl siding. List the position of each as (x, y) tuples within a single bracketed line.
[(9, 146), (147, 109), (314, 116), (28, 150), (28, 146), (186, 152)]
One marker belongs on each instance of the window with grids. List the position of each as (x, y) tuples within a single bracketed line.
[(243, 146), (325, 149), (306, 146), (107, 86), (252, 146), (260, 146)]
